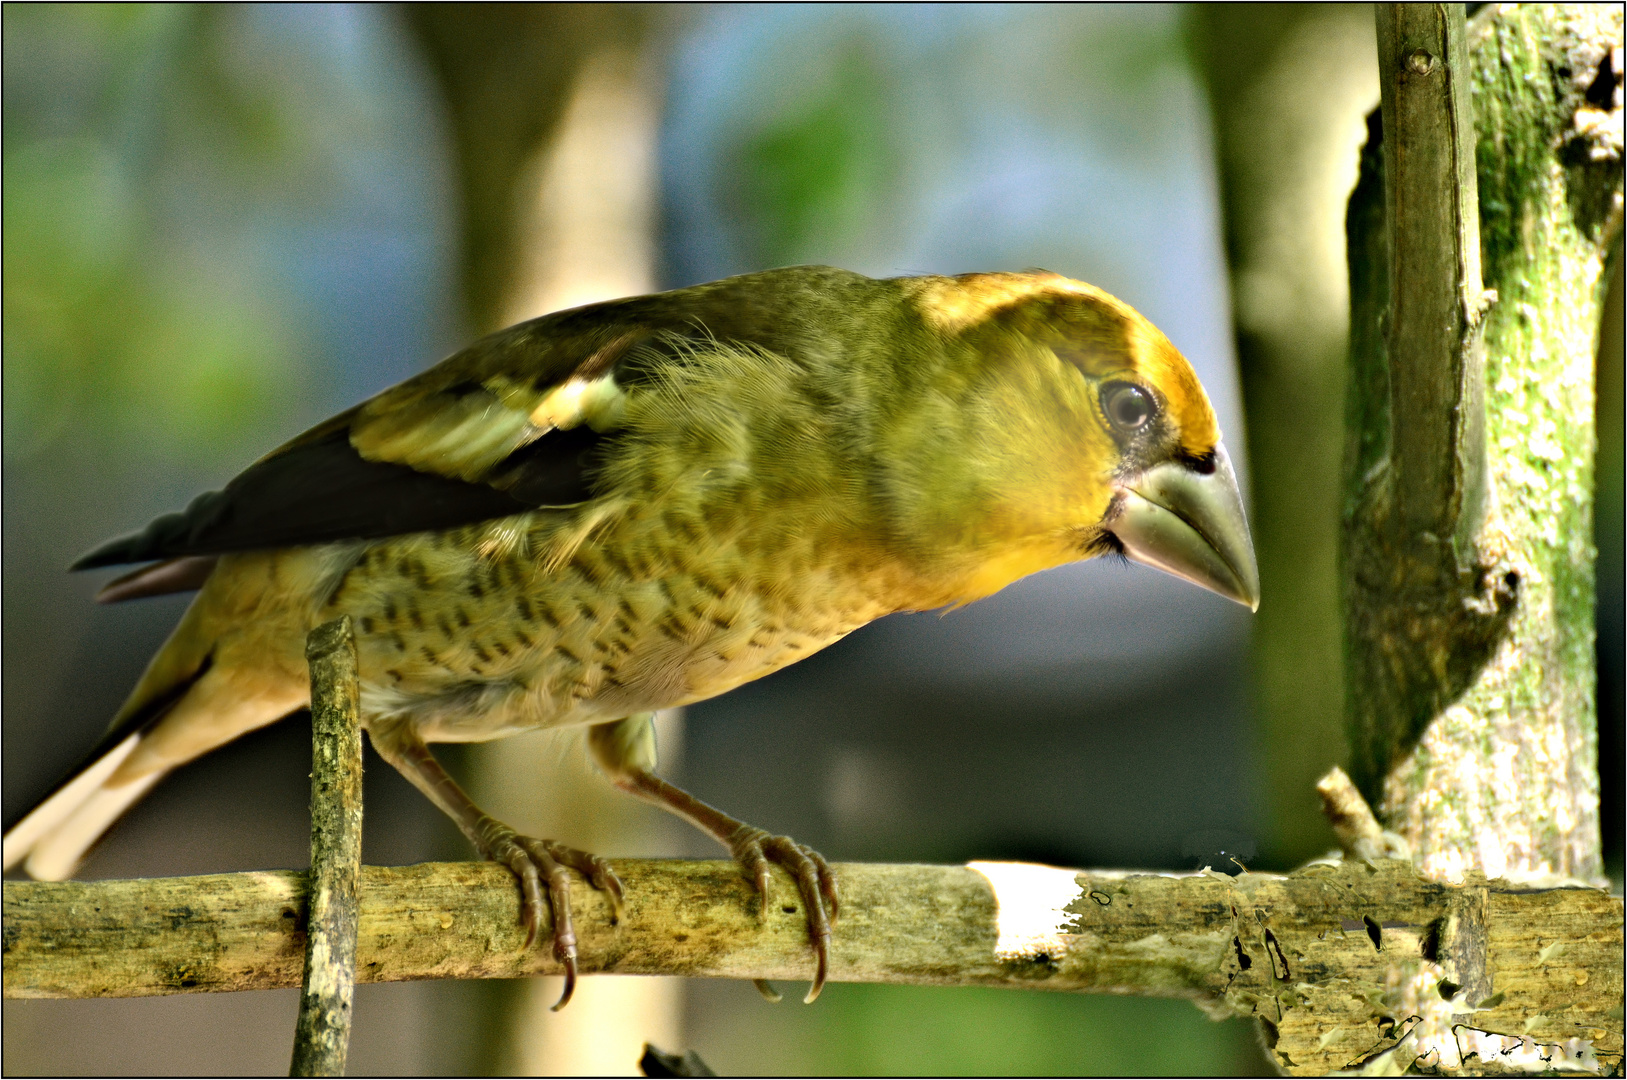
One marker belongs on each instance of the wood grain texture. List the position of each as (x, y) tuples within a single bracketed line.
[(1330, 957)]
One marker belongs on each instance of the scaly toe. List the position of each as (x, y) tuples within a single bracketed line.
[(755, 849), (598, 872), (502, 845), (559, 896), (542, 869)]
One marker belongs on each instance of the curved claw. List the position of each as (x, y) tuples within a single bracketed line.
[(532, 860), (756, 850), (570, 986), (544, 855)]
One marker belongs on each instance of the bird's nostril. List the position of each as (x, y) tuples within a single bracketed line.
[(1202, 464)]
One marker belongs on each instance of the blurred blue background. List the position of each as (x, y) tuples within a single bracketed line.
[(223, 224)]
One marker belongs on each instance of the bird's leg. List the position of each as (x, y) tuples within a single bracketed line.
[(532, 861), (625, 750)]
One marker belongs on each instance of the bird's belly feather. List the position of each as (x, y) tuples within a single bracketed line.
[(466, 641)]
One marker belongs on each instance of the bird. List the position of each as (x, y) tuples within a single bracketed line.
[(643, 503)]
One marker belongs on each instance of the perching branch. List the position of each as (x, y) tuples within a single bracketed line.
[(322, 1032), (1336, 958)]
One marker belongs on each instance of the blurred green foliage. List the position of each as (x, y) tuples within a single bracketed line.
[(813, 176), (121, 322), (106, 333), (875, 1030)]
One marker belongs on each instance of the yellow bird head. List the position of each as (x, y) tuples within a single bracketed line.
[(1100, 427)]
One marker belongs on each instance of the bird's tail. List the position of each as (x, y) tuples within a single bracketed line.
[(52, 839), (186, 704)]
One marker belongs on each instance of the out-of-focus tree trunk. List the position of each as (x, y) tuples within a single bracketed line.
[(1470, 642), (1289, 85), (508, 73), (554, 112)]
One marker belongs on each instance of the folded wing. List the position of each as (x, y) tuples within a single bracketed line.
[(508, 426)]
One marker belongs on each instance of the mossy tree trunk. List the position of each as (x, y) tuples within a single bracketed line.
[(1467, 532)]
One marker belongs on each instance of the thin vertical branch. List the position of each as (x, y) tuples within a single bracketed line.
[(322, 1033), (1437, 363)]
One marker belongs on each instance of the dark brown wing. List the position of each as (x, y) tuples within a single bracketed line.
[(482, 435), (508, 425), (324, 490)]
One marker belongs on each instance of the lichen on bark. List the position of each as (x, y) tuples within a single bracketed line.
[(1470, 681)]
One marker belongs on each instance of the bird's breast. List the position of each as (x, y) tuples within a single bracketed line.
[(481, 632)]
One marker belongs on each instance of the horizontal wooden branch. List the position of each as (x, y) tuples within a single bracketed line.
[(1341, 962)]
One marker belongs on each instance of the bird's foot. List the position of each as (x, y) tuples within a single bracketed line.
[(537, 861), (756, 850)]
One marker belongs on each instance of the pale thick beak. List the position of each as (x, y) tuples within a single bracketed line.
[(1190, 524)]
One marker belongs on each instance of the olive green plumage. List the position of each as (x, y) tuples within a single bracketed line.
[(647, 502)]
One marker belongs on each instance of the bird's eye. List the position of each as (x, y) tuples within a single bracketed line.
[(1128, 407)]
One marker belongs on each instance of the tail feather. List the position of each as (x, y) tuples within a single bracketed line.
[(213, 709), (65, 806), (55, 835), (144, 708), (56, 854), (170, 576), (232, 664)]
